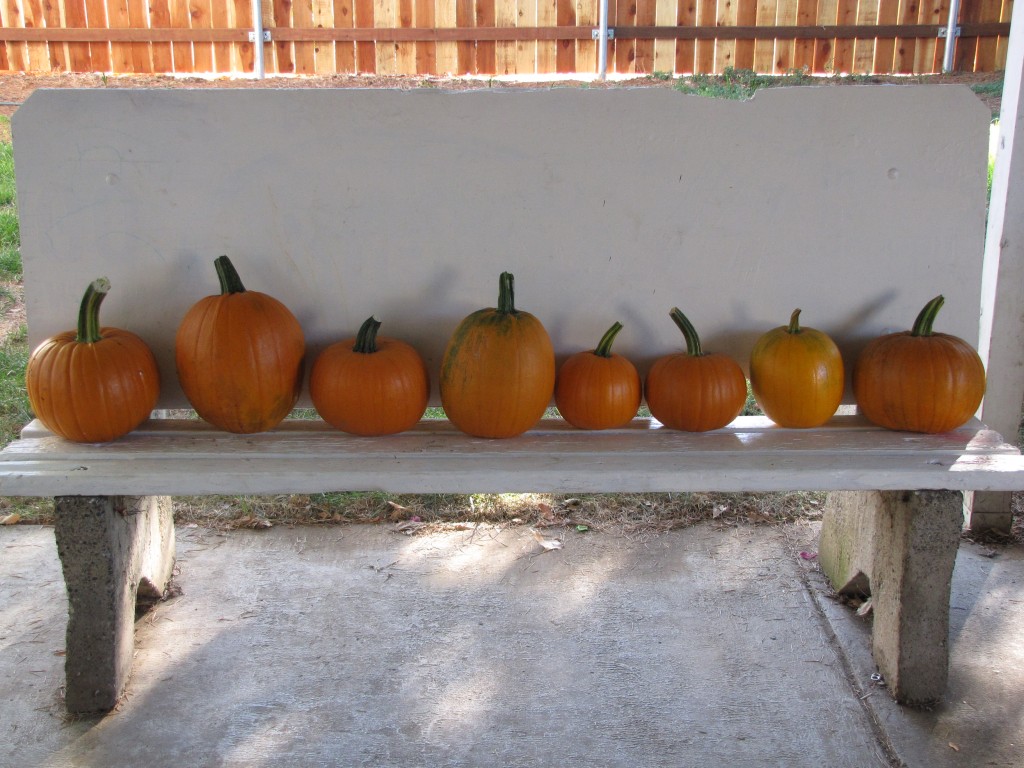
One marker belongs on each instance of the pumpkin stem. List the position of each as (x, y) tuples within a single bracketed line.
[(506, 294), (230, 282), (604, 347), (794, 322), (689, 332), (89, 311), (925, 320), (366, 339)]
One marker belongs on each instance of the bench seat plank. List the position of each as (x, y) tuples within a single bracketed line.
[(188, 457)]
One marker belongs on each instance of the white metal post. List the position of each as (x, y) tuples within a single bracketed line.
[(602, 41), (951, 25), (258, 67)]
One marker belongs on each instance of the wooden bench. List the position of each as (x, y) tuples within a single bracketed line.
[(606, 205)]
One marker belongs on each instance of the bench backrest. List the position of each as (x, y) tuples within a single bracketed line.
[(857, 204)]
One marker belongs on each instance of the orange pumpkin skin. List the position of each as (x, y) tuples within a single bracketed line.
[(379, 392), (239, 357), (598, 389), (93, 391), (919, 381), (498, 370), (797, 375), (695, 391)]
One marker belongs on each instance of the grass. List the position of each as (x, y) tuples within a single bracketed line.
[(739, 83)]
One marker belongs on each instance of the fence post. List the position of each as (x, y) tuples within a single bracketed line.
[(951, 36), (258, 67)]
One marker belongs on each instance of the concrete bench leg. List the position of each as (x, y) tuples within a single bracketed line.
[(900, 545), (113, 549)]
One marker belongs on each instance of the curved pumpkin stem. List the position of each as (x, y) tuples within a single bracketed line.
[(794, 322), (926, 319), (366, 339), (89, 311), (689, 332), (506, 294), (230, 282), (604, 346)]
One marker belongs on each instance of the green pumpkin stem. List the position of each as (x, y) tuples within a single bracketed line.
[(794, 322), (89, 311), (506, 294), (926, 319), (366, 339), (689, 332), (230, 282), (604, 346)]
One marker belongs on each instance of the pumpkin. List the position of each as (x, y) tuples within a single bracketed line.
[(498, 369), (93, 384), (919, 380), (694, 391), (239, 356), (796, 375), (370, 384), (598, 389)]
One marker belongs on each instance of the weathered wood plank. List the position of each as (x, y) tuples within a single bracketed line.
[(306, 457)]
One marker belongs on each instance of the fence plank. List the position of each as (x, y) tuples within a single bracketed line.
[(842, 59), (322, 16), (465, 50), (864, 47), (565, 55), (665, 50), (746, 16), (181, 52), (120, 53), (526, 50), (38, 53), (504, 51), (885, 47), (305, 56), (625, 47), (79, 59), (586, 50), (220, 18), (928, 51), (824, 49), (547, 50), (447, 52), (986, 58), (366, 51), (202, 53), (142, 53), (58, 50), (405, 51), (160, 18), (764, 50), (243, 54), (643, 51), (486, 53), (707, 13), (686, 16), (17, 52), (803, 50), (345, 51), (786, 16), (426, 52), (725, 49)]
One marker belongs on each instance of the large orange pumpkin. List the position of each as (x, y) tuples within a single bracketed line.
[(598, 389), (370, 384), (797, 375), (695, 391), (239, 356), (94, 384), (919, 380), (498, 370)]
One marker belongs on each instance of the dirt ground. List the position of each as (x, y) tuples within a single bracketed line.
[(15, 88)]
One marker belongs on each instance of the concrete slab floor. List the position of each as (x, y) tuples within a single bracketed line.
[(358, 646)]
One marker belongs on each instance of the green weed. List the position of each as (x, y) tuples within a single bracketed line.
[(739, 83), (14, 408)]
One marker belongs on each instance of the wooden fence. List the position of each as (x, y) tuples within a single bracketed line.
[(325, 37)]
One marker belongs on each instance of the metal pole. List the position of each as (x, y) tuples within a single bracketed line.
[(258, 69), (947, 58), (602, 41)]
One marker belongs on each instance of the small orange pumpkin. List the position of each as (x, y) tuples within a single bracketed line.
[(370, 384), (695, 391), (598, 389), (92, 385), (498, 370), (796, 375), (239, 356), (919, 380)]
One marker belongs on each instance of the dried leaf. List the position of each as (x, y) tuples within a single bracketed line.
[(954, 747), (545, 542), (865, 609), (10, 519), (545, 509)]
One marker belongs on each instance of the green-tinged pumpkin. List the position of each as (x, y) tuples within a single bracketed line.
[(796, 374), (694, 391), (919, 380), (598, 389), (239, 356), (498, 370), (370, 384), (93, 384)]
